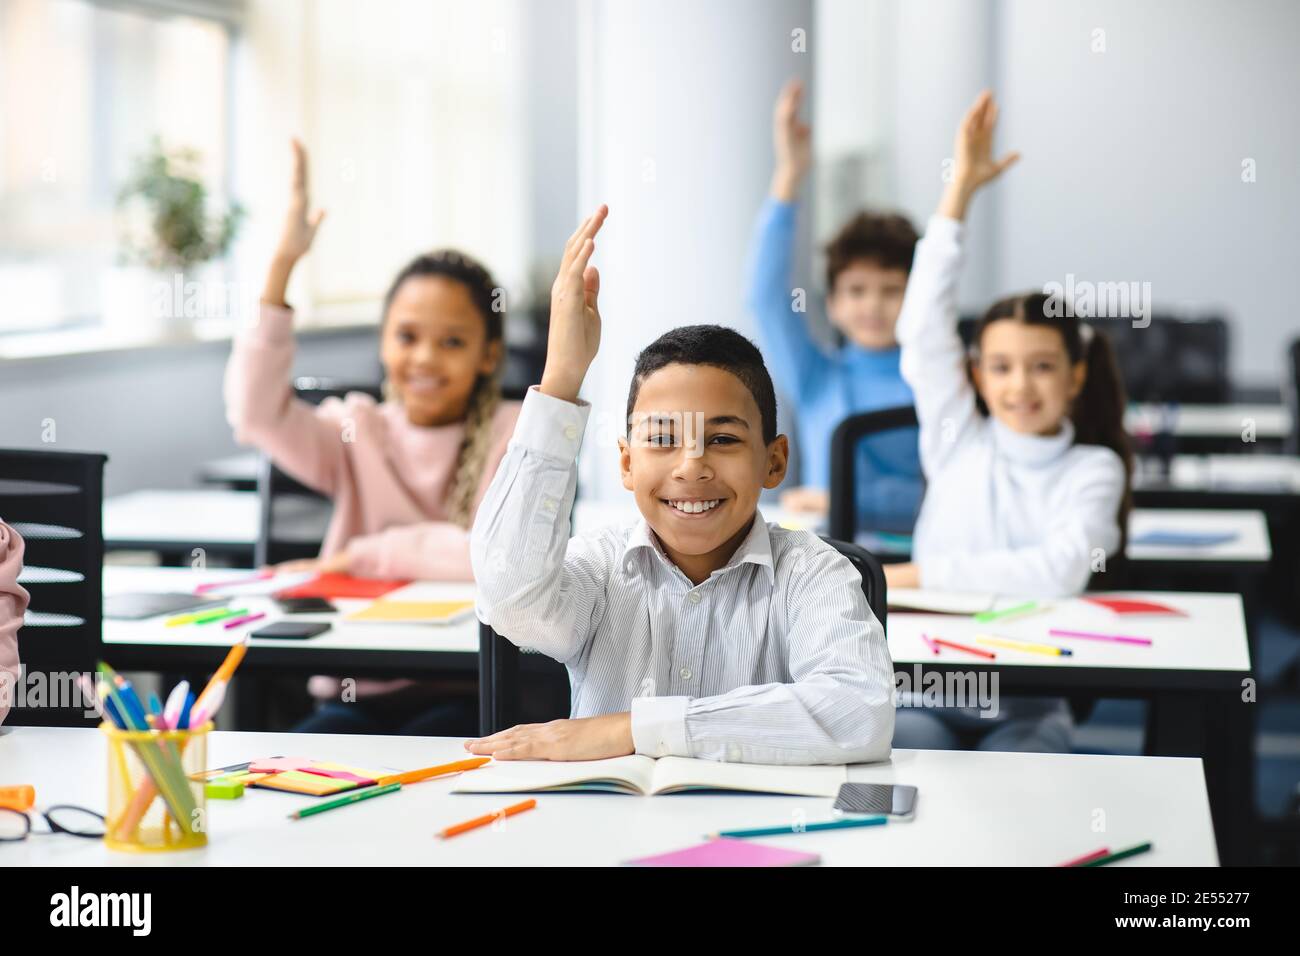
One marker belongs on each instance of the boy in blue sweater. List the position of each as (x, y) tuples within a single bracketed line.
[(867, 267)]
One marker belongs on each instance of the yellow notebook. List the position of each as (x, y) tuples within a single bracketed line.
[(414, 612)]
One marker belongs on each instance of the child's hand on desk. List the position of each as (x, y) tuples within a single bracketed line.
[(902, 576), (583, 738), (334, 564), (973, 162), (574, 336)]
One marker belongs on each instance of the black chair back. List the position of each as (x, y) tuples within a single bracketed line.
[(1292, 397), (846, 482), (55, 501)]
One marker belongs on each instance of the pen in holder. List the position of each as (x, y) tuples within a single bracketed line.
[(152, 803)]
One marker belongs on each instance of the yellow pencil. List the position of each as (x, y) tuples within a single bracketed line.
[(1017, 645)]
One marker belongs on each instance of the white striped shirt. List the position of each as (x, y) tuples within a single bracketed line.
[(775, 658)]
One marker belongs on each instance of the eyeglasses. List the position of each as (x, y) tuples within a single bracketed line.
[(16, 825)]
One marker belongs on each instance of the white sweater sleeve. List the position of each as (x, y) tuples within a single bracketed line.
[(1085, 527), (933, 361)]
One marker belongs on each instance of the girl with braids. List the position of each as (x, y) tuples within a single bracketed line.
[(1022, 445), (405, 474)]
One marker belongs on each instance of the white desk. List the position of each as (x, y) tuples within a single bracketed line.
[(217, 520), (406, 649), (1210, 421), (1250, 546), (1210, 639), (973, 809)]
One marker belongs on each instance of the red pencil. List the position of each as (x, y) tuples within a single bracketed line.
[(1087, 857), (962, 647)]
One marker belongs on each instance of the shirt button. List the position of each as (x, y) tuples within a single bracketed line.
[(694, 597), (685, 673), (571, 432), (548, 505)]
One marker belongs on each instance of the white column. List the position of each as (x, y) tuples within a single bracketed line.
[(675, 135)]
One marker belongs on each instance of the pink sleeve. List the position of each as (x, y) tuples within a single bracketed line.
[(431, 550), (260, 405), (13, 602)]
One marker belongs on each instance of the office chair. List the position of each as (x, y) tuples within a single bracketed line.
[(854, 507), (55, 501), (1291, 394), (507, 672)]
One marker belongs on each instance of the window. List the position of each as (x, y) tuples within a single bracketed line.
[(85, 87)]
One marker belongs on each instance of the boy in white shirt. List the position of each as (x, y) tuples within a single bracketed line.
[(698, 630)]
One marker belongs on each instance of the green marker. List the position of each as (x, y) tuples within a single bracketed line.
[(1121, 855), (211, 616), (1025, 608), (354, 797)]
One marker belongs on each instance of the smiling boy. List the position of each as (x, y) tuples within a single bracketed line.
[(698, 630)]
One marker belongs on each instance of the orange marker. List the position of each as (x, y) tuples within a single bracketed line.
[(415, 776), (486, 819), (224, 672), (20, 797)]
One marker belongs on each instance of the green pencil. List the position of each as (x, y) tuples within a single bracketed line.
[(1121, 855), (983, 616), (847, 823), (354, 797), (211, 616)]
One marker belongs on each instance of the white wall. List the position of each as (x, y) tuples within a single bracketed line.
[(676, 137), (1132, 157)]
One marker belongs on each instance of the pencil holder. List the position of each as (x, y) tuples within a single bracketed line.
[(153, 805)]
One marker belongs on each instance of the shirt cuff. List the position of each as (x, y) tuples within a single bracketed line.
[(659, 726), (274, 324), (941, 227), (551, 426)]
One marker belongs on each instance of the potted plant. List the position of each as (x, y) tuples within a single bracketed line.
[(169, 231)]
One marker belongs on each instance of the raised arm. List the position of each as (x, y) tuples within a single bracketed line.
[(933, 361), (535, 587), (260, 404), (783, 332)]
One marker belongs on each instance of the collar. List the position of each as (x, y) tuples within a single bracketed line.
[(754, 548), (1032, 449)]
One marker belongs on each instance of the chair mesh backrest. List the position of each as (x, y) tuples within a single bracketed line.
[(54, 500)]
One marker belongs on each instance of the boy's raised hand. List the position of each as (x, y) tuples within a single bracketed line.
[(792, 139), (574, 336), (299, 227), (973, 162)]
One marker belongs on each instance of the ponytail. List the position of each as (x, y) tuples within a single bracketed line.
[(1098, 410)]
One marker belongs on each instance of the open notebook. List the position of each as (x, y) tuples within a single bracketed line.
[(637, 774)]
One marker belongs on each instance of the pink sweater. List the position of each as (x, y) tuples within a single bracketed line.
[(388, 479), (13, 602)]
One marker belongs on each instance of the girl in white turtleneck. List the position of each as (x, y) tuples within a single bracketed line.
[(1026, 460)]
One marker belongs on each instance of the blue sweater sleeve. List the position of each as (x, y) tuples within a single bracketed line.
[(783, 333)]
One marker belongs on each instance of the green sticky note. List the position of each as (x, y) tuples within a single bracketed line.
[(223, 789)]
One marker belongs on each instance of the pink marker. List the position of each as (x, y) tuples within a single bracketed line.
[(1090, 636), (218, 585), (247, 618), (930, 644)]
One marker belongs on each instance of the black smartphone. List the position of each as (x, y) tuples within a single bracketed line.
[(894, 799), (305, 605), (292, 630)]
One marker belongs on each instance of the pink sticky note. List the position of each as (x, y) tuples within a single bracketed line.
[(279, 764), (727, 851)]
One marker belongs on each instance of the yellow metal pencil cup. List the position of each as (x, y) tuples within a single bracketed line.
[(153, 805)]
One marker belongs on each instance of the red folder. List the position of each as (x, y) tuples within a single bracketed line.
[(341, 586)]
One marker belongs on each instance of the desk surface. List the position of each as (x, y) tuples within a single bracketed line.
[(1210, 421), (457, 638), (1241, 474), (1250, 546), (218, 520), (968, 811), (1211, 637)]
